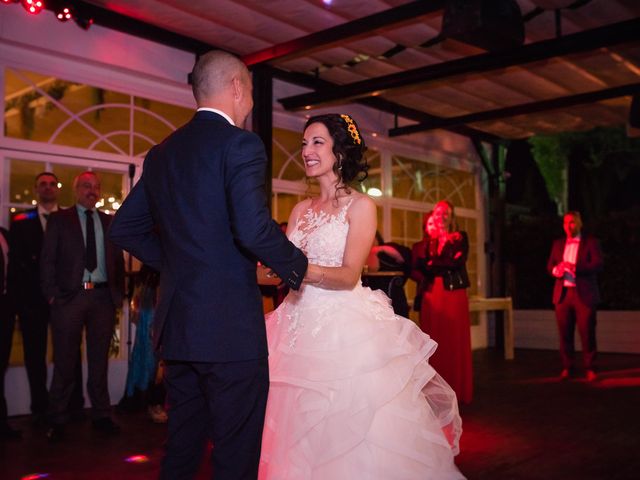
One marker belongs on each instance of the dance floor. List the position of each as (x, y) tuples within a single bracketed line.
[(523, 424)]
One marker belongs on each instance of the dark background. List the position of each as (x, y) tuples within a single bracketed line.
[(604, 185)]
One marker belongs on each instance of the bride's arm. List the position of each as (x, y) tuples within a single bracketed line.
[(362, 229)]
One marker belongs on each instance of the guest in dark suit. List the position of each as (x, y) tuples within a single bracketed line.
[(575, 261), (82, 277), (27, 231), (199, 215), (7, 320)]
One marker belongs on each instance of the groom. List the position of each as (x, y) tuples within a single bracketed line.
[(199, 215)]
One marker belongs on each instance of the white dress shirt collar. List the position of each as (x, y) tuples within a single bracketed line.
[(219, 112), (43, 211)]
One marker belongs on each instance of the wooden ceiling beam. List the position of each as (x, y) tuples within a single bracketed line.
[(384, 105), (125, 24), (524, 109), (617, 33), (344, 32)]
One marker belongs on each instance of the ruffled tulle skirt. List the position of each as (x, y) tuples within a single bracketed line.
[(352, 394)]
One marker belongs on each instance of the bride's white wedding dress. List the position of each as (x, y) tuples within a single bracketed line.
[(352, 395)]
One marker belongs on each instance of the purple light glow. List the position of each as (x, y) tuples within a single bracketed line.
[(137, 459)]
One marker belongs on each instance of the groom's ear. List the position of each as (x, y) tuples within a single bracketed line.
[(237, 88)]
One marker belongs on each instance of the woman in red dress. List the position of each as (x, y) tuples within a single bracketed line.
[(445, 305)]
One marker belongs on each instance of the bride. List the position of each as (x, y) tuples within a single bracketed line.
[(352, 394)]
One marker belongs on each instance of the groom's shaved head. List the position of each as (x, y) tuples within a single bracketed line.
[(213, 73)]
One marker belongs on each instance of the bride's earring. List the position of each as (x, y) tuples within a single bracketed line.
[(339, 162)]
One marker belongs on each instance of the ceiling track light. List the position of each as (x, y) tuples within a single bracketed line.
[(64, 12), (33, 7), (84, 22)]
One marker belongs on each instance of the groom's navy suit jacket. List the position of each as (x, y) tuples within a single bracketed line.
[(199, 215)]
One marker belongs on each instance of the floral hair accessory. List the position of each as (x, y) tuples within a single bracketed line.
[(352, 129)]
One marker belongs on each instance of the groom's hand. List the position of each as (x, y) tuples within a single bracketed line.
[(266, 276)]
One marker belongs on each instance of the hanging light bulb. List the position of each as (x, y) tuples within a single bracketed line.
[(33, 6)]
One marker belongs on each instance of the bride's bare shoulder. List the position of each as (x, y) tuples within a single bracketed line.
[(361, 203), (299, 208), (361, 199)]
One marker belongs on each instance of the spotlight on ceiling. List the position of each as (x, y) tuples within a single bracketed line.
[(63, 13), (33, 6), (84, 22)]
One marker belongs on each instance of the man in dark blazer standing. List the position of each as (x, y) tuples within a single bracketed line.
[(574, 262), (82, 276), (199, 215), (27, 232)]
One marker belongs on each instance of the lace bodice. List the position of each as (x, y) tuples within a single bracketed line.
[(322, 236)]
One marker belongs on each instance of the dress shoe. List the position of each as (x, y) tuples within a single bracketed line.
[(105, 425), (55, 434), (8, 433), (565, 374), (591, 376)]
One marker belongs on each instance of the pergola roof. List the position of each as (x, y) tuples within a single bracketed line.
[(577, 69)]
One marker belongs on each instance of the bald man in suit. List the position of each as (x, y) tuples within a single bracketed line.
[(82, 276), (199, 215)]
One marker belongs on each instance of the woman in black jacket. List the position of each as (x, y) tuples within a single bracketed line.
[(445, 305)]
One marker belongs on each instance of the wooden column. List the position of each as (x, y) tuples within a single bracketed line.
[(262, 118)]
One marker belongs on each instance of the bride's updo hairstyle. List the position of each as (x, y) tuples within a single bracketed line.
[(348, 147)]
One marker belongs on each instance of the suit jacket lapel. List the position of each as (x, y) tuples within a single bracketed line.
[(37, 227), (77, 228), (581, 250), (104, 221)]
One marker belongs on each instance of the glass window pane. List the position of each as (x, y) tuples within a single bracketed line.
[(412, 179), (21, 182), (457, 186), (406, 226), (111, 190), (51, 110), (66, 174), (153, 121), (287, 160), (283, 204), (374, 177)]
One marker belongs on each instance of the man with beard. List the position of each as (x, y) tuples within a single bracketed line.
[(82, 278)]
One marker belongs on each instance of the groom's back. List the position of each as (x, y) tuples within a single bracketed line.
[(210, 297)]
